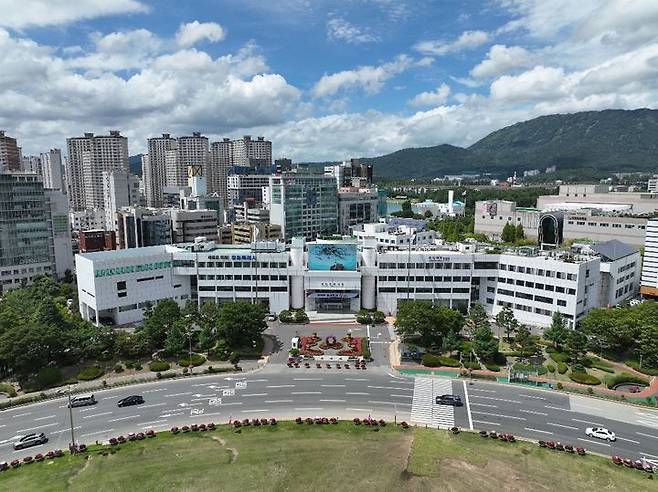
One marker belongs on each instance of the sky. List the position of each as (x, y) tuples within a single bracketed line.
[(322, 79)]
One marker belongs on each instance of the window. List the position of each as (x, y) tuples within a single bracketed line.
[(546, 300), (121, 285), (122, 294), (561, 302)]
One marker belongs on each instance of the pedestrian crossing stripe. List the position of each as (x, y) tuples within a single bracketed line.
[(424, 410)]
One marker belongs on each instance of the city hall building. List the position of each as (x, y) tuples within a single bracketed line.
[(346, 275)]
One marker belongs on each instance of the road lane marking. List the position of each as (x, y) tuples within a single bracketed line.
[(593, 442), (68, 429), (483, 405), (233, 403), (627, 440), (357, 393), (397, 404), (357, 379), (401, 396), (533, 412), (485, 422), (259, 410), (177, 394), (332, 401), (646, 435), (148, 424), (563, 426), (360, 409), (38, 427), (494, 398), (45, 418), (255, 380), (98, 432), (281, 386), (153, 405), (255, 394), (391, 388), (307, 379), (537, 430), (468, 407), (332, 385), (154, 390), (21, 414), (482, 390), (96, 415), (558, 408), (306, 392), (277, 401), (125, 418), (532, 396), (499, 415), (301, 409), (588, 422), (649, 455)]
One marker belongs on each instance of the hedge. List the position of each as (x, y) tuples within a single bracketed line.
[(47, 377), (560, 356), (530, 368), (430, 360), (584, 378), (449, 362), (118, 368), (8, 388), (472, 365), (550, 367), (562, 367), (493, 367), (89, 373), (624, 377), (644, 370), (197, 360), (159, 366)]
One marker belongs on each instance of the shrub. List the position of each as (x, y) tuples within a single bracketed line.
[(285, 316), (47, 377), (89, 373), (493, 367), (301, 316), (584, 378), (560, 356), (363, 317), (129, 364), (475, 365), (449, 362), (645, 370), (562, 367), (378, 317), (118, 368), (559, 386), (8, 388), (431, 360), (624, 377), (159, 366), (197, 360), (550, 367), (137, 367), (365, 348), (530, 368)]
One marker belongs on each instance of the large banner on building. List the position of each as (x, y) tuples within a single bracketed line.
[(332, 257)]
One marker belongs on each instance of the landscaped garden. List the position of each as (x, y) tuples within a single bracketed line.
[(321, 456), (348, 346)]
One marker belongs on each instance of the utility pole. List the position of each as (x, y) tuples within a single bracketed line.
[(73, 447)]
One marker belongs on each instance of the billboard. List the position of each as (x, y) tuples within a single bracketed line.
[(332, 256)]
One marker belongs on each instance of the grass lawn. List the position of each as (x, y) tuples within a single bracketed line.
[(318, 458)]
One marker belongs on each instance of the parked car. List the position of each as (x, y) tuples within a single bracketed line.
[(271, 317), (453, 400), (601, 433), (82, 401), (30, 440), (130, 400)]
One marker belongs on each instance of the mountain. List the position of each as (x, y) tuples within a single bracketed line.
[(619, 140)]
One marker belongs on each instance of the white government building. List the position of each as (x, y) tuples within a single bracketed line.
[(349, 274)]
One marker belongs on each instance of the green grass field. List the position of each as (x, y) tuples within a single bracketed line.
[(318, 458)]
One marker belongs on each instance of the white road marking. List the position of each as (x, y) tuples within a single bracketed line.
[(154, 390), (332, 385), (627, 440), (153, 405), (537, 430), (45, 418), (306, 392), (391, 388), (480, 390), (397, 396), (68, 429), (277, 401), (497, 399), (483, 405), (125, 418), (486, 422), (558, 408), (588, 422), (281, 386), (21, 414), (357, 393), (360, 409), (499, 415), (38, 427), (255, 394), (307, 379), (646, 435), (563, 426), (309, 408), (356, 379), (177, 394), (259, 410), (332, 401), (532, 396), (95, 433), (468, 407), (398, 404), (533, 412), (649, 455), (96, 415), (594, 442), (234, 403), (256, 380)]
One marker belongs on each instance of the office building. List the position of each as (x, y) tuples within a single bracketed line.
[(52, 170), (250, 213), (597, 196), (34, 231), (352, 173), (245, 187), (89, 156), (304, 205), (356, 206), (346, 275), (649, 287), (652, 184), (31, 164), (396, 234), (120, 189), (98, 240), (10, 153), (283, 165), (139, 227), (87, 220), (187, 225)]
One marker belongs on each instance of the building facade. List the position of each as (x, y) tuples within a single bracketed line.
[(244, 187), (139, 227), (348, 275), (154, 168), (649, 287), (187, 225), (356, 206), (10, 153), (599, 197), (52, 170)]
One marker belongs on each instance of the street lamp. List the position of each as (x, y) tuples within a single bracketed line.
[(72, 447), (412, 240)]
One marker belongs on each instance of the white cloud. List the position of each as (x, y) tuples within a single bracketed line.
[(193, 32), (466, 40), (501, 59), (540, 83), (432, 98), (369, 78), (19, 14), (339, 29)]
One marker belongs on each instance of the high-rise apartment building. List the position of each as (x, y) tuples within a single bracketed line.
[(89, 156), (154, 168), (304, 205), (220, 162), (187, 151), (35, 237), (52, 170), (120, 189), (31, 164), (252, 153), (10, 153)]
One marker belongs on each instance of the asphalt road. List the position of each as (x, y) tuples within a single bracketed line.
[(282, 392)]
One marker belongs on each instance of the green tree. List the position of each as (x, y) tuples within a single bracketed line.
[(477, 318), (648, 346), (506, 320), (577, 344), (207, 338), (558, 331), (450, 343), (524, 340), (175, 341), (519, 233), (159, 321), (485, 344), (509, 233), (241, 323), (425, 323)]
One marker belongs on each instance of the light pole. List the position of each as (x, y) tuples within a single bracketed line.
[(73, 447), (412, 239)]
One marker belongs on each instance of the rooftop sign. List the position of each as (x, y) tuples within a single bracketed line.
[(144, 267)]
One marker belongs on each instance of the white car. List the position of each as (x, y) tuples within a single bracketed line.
[(601, 433)]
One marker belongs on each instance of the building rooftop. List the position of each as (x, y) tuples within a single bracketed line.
[(614, 249)]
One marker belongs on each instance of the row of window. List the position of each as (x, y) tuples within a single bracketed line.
[(534, 285), (392, 278), (241, 288), (528, 309), (243, 277), (425, 290), (529, 297), (540, 272), (427, 266), (606, 224)]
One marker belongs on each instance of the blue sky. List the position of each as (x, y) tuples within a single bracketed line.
[(323, 79)]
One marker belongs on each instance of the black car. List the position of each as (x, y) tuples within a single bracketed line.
[(453, 400), (130, 400), (30, 440)]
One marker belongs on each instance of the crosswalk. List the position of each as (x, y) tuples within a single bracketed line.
[(423, 408)]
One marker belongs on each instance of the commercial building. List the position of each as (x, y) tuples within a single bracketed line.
[(243, 187), (187, 225), (243, 233), (98, 240), (452, 208), (139, 227), (120, 189), (396, 235), (576, 197), (249, 213), (348, 275), (304, 205), (34, 230), (88, 157), (87, 220), (52, 170), (652, 184), (357, 206), (350, 173), (31, 164), (649, 287), (10, 153)]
